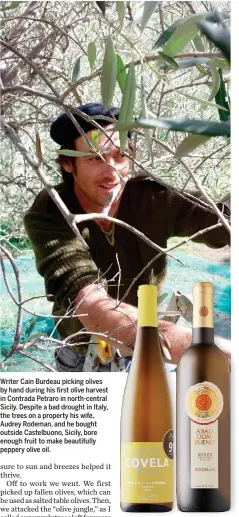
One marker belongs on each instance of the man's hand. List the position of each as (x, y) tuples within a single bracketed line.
[(120, 324)]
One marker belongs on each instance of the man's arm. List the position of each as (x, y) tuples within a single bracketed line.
[(186, 217), (120, 324)]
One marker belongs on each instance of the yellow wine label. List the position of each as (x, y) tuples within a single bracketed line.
[(204, 404), (147, 471)]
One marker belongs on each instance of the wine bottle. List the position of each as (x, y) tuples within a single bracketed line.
[(203, 415), (146, 419)]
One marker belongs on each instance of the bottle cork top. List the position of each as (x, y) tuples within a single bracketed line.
[(206, 287)]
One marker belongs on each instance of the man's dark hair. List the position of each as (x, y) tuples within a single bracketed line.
[(67, 177)]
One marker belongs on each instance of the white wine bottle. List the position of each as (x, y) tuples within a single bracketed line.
[(146, 419), (203, 415)]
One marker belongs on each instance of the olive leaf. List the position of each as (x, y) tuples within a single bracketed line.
[(76, 70), (190, 143), (12, 5), (198, 43), (172, 62), (91, 52), (127, 105), (149, 8), (211, 16), (187, 62), (121, 10), (202, 101), (108, 76), (183, 34), (69, 152), (215, 81), (194, 126), (36, 336), (219, 35), (121, 73), (95, 138), (221, 100), (144, 110)]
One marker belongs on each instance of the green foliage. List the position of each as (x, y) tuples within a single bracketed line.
[(188, 62), (221, 99), (202, 101), (69, 152), (12, 5), (76, 70), (149, 8), (199, 127), (152, 94), (91, 52), (121, 73), (108, 76), (209, 16), (219, 35), (95, 138), (189, 144), (121, 10), (215, 81), (183, 34), (172, 62), (127, 106), (144, 111)]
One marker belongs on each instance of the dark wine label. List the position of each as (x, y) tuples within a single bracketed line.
[(204, 404), (168, 444), (146, 472)]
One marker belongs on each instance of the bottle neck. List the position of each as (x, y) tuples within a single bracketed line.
[(203, 335), (203, 329), (147, 306)]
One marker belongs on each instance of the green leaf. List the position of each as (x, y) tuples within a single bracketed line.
[(91, 52), (121, 73), (202, 101), (219, 35), (108, 76), (198, 44), (12, 5), (95, 138), (194, 126), (210, 16), (76, 71), (127, 105), (144, 110), (220, 63), (149, 8), (69, 152), (121, 10), (168, 33), (37, 335), (221, 99), (187, 62), (190, 143), (215, 81), (169, 60), (184, 33)]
